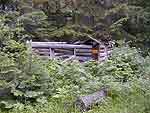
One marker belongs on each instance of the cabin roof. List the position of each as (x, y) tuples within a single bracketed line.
[(99, 37), (97, 41)]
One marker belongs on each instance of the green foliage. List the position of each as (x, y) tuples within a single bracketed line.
[(12, 21), (25, 82), (23, 78), (70, 79), (125, 65), (133, 27), (12, 46), (40, 27), (126, 74), (70, 33), (5, 33)]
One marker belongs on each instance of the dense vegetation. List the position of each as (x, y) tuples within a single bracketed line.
[(30, 84)]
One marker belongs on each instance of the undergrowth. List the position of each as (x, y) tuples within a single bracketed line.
[(125, 74)]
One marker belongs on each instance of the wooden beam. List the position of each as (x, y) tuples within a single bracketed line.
[(74, 51), (65, 46), (65, 51), (41, 50), (84, 58), (59, 54), (94, 39), (63, 56), (52, 54), (43, 53), (84, 50), (49, 42), (84, 54)]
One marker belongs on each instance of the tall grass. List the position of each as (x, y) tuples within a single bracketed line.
[(132, 104)]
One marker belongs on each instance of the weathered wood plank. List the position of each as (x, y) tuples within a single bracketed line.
[(52, 54), (71, 51), (67, 46), (63, 50), (74, 52), (83, 58), (42, 50), (49, 42), (43, 53), (57, 52), (84, 50), (84, 54), (62, 54), (109, 52), (103, 54), (102, 58)]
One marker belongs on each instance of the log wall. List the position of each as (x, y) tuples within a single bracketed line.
[(62, 50)]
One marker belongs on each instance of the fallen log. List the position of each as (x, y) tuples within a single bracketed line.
[(85, 103)]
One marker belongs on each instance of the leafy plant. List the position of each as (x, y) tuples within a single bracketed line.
[(25, 82), (124, 64)]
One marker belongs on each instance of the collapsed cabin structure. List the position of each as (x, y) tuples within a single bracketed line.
[(90, 49)]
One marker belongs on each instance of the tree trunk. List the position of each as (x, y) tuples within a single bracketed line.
[(85, 103)]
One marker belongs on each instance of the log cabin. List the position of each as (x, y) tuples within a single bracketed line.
[(90, 49)]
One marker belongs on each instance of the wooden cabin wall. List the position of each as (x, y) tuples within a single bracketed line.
[(104, 52), (62, 50)]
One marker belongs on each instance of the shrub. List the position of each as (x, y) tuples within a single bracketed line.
[(71, 79), (124, 64), (32, 80), (24, 82)]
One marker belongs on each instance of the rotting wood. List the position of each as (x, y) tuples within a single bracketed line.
[(85, 103), (62, 50), (64, 46), (52, 54), (84, 50), (84, 54), (59, 53), (76, 57), (74, 52), (49, 42)]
